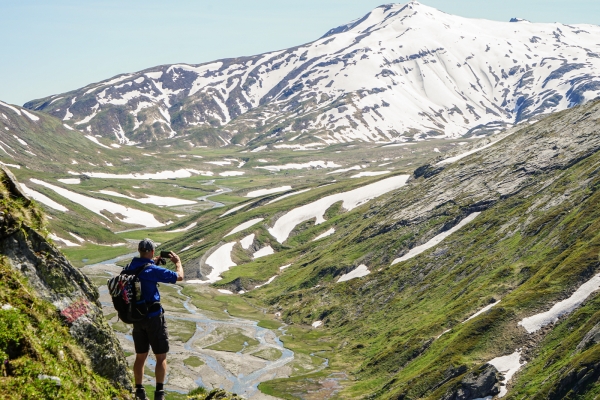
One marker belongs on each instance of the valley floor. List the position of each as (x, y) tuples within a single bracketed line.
[(209, 348)]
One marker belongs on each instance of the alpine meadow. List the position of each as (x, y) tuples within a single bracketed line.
[(405, 208)]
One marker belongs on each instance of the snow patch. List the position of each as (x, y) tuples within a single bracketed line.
[(310, 164), (232, 173), (93, 139), (245, 226), (370, 173), (351, 199), (339, 171), (359, 272), (131, 215), (271, 279), (507, 366), (66, 242), (81, 240), (263, 192), (435, 240), (536, 322), (151, 199), (10, 107), (187, 228), (484, 309), (42, 198), (247, 241), (30, 116), (70, 181), (265, 251), (180, 173), (220, 260), (288, 195), (324, 234), (234, 209)]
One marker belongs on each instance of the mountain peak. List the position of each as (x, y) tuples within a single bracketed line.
[(402, 71)]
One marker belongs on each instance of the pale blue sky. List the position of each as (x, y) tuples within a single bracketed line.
[(50, 47)]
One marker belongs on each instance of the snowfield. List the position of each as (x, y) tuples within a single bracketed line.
[(308, 165), (151, 199), (131, 215), (435, 240), (350, 200), (180, 173)]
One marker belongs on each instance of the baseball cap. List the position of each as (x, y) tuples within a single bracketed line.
[(146, 245)]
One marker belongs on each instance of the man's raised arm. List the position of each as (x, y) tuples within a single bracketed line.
[(178, 267)]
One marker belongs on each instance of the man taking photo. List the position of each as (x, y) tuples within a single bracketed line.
[(152, 331)]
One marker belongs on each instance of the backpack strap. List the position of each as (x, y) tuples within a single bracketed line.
[(141, 269), (138, 270)]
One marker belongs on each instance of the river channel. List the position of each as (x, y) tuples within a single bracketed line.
[(239, 372)]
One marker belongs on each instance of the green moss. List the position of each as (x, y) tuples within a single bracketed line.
[(234, 343), (34, 341), (193, 361), (269, 354)]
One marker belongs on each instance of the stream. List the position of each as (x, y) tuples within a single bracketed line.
[(236, 372)]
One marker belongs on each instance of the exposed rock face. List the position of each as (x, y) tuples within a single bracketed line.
[(57, 281), (402, 71), (477, 384), (512, 165)]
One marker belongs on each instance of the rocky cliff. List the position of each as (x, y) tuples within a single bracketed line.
[(46, 277)]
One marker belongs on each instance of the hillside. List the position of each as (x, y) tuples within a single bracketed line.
[(487, 258), (423, 74), (54, 341)]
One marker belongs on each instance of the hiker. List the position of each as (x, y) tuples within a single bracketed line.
[(152, 331)]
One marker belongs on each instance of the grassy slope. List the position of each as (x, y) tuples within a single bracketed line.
[(530, 250), (33, 339)]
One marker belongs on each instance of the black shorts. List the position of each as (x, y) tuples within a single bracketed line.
[(151, 332)]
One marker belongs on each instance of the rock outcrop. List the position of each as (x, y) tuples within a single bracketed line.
[(477, 384), (57, 281)]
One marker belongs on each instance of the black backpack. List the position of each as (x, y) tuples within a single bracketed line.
[(126, 292)]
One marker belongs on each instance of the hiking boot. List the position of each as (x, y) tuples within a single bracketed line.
[(140, 394), (159, 395)]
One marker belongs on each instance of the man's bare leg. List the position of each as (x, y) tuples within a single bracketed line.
[(138, 367), (161, 367)]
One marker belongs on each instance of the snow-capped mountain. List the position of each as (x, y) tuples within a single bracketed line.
[(400, 72)]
